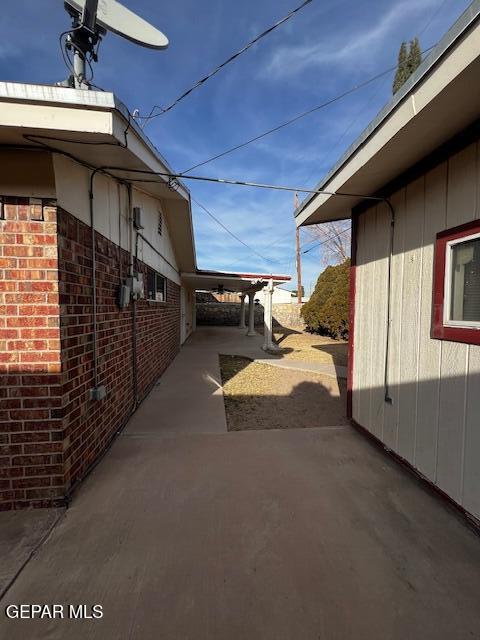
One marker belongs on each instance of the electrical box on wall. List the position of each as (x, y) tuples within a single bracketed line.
[(137, 217), (124, 296), (135, 284)]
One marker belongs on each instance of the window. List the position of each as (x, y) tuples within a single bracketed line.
[(156, 287), (160, 223), (456, 304)]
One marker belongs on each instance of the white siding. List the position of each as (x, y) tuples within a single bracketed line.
[(187, 312), (112, 215), (434, 419)]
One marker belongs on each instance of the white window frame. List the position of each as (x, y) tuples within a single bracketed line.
[(156, 293), (447, 293), (164, 293)]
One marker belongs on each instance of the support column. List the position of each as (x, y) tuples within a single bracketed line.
[(242, 312), (251, 314), (268, 344)]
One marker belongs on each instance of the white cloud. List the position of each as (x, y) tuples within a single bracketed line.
[(292, 59)]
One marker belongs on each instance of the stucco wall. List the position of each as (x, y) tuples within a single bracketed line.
[(434, 419)]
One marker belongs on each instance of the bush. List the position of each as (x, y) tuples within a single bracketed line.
[(327, 310)]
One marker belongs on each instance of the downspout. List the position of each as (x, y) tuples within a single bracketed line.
[(388, 397), (97, 392), (134, 302)]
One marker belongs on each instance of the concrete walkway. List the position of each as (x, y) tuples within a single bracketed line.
[(187, 532), (232, 341)]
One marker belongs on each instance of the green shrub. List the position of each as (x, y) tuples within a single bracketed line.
[(327, 310)]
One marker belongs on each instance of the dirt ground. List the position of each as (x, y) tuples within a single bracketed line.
[(259, 396), (309, 347)]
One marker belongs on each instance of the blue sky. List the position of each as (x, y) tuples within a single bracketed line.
[(328, 47)]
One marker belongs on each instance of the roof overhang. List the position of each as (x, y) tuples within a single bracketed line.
[(95, 129), (437, 102), (231, 281)]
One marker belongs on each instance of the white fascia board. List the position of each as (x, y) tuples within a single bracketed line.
[(41, 93), (64, 109), (52, 118)]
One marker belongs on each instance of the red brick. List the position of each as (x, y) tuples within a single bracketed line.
[(38, 286), (8, 263), (65, 417), (6, 334), (27, 345), (22, 321), (28, 483), (37, 263), (40, 380), (39, 309), (25, 298), (8, 286), (29, 334), (40, 356), (29, 414), (25, 274), (23, 252)]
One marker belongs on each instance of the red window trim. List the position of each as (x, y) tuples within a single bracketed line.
[(439, 330)]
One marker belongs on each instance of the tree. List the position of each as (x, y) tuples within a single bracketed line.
[(333, 238), (327, 310), (401, 74), (408, 62), (414, 56)]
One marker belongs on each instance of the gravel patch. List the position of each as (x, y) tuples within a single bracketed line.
[(261, 396)]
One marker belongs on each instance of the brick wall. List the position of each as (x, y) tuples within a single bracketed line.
[(91, 425), (31, 447), (51, 431)]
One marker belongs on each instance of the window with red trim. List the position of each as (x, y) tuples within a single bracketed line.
[(456, 292)]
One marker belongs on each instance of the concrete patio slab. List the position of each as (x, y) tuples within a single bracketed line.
[(261, 535), (188, 397), (188, 532), (21, 532)]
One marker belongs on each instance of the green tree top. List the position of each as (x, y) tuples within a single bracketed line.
[(408, 62), (414, 56), (401, 74)]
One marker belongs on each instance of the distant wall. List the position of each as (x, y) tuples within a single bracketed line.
[(228, 314), (288, 315)]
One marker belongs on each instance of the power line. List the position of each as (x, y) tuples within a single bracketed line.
[(319, 244), (372, 98), (432, 18), (225, 228), (318, 107), (239, 183), (233, 57)]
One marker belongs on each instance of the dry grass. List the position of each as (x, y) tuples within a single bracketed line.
[(260, 396), (311, 347)]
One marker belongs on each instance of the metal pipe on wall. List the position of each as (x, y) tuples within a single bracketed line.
[(388, 397), (134, 302), (94, 287)]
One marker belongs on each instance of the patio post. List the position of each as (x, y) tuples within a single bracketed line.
[(251, 314), (242, 324), (268, 344)]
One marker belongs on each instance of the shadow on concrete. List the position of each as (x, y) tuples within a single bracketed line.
[(318, 401)]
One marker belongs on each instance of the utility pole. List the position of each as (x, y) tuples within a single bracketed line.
[(299, 262)]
